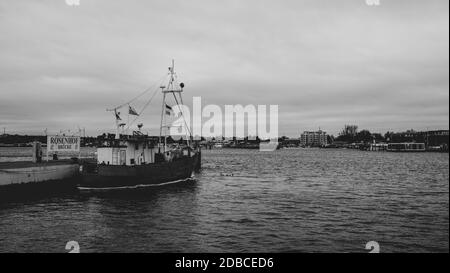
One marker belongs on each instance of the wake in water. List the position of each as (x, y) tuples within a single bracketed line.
[(140, 186)]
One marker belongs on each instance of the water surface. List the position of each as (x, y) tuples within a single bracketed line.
[(291, 200)]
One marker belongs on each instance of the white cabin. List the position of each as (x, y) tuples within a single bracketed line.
[(129, 153)]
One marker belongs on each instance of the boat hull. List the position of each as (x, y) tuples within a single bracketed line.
[(116, 176), (28, 180), (17, 173)]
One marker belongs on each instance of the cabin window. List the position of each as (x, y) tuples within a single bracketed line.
[(132, 161)]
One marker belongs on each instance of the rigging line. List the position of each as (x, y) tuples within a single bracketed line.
[(174, 82), (187, 127), (138, 96), (145, 106)]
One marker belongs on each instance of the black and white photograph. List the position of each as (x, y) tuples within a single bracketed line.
[(222, 127)]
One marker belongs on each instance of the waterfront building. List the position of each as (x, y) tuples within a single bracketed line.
[(378, 147), (406, 147), (434, 140), (314, 138), (437, 138)]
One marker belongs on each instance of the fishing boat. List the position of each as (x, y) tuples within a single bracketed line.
[(138, 160)]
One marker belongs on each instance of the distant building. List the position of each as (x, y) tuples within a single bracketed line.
[(430, 138), (314, 139), (437, 138)]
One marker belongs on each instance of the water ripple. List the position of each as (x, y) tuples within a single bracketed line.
[(295, 200)]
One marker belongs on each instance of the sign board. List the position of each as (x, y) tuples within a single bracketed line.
[(63, 143)]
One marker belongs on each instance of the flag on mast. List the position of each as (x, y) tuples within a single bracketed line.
[(117, 115), (168, 110), (132, 111)]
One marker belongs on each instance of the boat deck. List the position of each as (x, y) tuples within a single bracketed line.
[(28, 164)]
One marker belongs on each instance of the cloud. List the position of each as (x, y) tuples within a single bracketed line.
[(325, 63)]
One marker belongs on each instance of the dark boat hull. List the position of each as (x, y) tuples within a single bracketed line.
[(27, 180), (33, 191), (115, 176)]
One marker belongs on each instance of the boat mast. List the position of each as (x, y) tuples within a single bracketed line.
[(117, 117), (170, 89), (117, 124), (162, 118)]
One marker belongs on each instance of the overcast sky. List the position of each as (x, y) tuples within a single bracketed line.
[(325, 63)]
